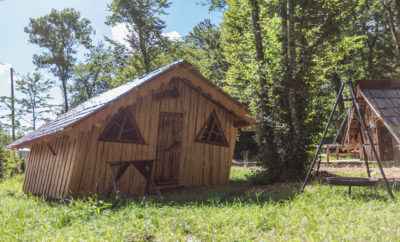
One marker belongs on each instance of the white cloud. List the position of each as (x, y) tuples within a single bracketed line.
[(119, 34), (173, 35)]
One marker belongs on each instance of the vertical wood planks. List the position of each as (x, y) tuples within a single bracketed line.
[(80, 165), (68, 171)]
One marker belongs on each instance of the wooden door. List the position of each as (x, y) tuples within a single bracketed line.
[(169, 148)]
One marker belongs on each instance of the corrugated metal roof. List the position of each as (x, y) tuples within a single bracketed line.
[(90, 106)]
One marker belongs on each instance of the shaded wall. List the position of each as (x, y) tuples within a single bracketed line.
[(49, 167)]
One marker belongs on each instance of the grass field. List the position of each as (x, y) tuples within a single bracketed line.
[(238, 212)]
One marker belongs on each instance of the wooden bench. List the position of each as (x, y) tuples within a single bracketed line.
[(340, 150)]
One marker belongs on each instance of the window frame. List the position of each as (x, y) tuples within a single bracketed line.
[(206, 128), (120, 119)]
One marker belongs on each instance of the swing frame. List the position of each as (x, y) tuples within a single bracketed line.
[(364, 130)]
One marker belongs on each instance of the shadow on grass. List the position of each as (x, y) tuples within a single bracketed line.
[(358, 193), (238, 193), (369, 196), (379, 192)]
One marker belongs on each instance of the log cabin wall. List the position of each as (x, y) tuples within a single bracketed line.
[(200, 163)]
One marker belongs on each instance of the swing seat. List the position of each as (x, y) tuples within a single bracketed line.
[(351, 181)]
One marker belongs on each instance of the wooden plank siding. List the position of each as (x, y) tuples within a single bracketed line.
[(384, 142), (80, 166), (47, 174)]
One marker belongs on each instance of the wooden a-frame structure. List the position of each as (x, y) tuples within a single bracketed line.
[(364, 133)]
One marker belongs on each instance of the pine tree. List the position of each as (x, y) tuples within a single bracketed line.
[(142, 19), (94, 76), (203, 48), (59, 34)]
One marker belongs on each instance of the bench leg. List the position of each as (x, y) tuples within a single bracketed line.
[(349, 190)]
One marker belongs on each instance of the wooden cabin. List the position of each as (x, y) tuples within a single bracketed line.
[(379, 101), (168, 129)]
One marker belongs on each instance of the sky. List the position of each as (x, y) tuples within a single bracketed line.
[(16, 51)]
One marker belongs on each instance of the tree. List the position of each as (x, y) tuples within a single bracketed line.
[(292, 98), (378, 57), (203, 49), (308, 28), (6, 116), (215, 4), (142, 19), (10, 163), (266, 136), (392, 17), (294, 48), (93, 76), (59, 34), (35, 98), (4, 140)]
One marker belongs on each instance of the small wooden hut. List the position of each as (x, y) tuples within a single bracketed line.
[(170, 128), (380, 102)]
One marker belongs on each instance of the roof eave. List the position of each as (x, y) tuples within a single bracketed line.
[(244, 120), (378, 84)]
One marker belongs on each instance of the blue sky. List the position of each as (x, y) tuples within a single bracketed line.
[(14, 16)]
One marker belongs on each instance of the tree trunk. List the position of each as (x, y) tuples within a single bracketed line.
[(33, 117), (294, 152), (1, 165), (392, 25), (285, 136), (32, 97), (65, 94), (269, 154), (143, 50)]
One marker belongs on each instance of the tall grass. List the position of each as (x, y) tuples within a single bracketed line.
[(238, 212)]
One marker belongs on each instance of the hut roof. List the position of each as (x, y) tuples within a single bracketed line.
[(383, 97), (97, 103)]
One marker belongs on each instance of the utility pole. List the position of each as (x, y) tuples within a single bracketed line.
[(12, 104)]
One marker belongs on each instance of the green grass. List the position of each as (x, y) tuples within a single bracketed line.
[(238, 212)]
